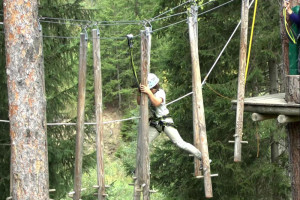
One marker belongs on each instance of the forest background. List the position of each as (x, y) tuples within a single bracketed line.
[(263, 174)]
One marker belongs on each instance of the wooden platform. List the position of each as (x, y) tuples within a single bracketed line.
[(270, 104)]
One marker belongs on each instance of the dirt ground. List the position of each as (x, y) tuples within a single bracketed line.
[(112, 130)]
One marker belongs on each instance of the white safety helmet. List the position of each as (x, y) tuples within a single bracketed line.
[(152, 80)]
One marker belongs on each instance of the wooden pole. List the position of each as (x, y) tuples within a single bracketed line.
[(199, 117), (27, 101), (80, 116), (241, 83), (99, 114), (196, 128), (142, 183)]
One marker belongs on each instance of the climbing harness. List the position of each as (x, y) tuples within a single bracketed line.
[(130, 45), (159, 124), (290, 33)]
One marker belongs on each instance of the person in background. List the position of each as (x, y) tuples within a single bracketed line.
[(161, 121), (295, 18)]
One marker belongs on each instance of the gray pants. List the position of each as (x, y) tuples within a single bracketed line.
[(173, 134)]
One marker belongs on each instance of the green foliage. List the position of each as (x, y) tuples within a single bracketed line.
[(4, 127), (254, 178)]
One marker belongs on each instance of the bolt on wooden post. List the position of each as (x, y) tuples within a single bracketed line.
[(142, 183), (241, 83), (80, 116), (198, 110)]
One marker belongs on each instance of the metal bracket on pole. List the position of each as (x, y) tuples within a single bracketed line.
[(212, 175), (86, 37)]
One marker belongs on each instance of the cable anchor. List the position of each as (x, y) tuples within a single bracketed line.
[(39, 25), (85, 32), (130, 40)]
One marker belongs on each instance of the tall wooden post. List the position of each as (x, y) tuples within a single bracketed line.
[(197, 144), (80, 116), (294, 157), (99, 115), (142, 183), (27, 101), (198, 111), (291, 88), (241, 83)]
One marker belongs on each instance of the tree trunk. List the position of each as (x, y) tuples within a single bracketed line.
[(294, 151), (292, 93), (285, 51), (273, 75), (27, 102), (293, 129)]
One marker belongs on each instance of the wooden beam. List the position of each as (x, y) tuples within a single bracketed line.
[(99, 114), (271, 110), (288, 119), (241, 82), (256, 117), (212, 175), (142, 183), (198, 106), (80, 116), (243, 142)]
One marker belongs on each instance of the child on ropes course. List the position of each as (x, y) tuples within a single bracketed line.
[(295, 18), (161, 121)]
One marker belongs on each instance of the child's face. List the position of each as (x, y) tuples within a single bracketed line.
[(153, 90)]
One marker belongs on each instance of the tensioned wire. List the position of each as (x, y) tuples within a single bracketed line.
[(86, 123), (120, 22), (125, 22), (161, 28), (185, 20), (152, 19), (89, 21), (169, 16), (81, 24), (203, 83)]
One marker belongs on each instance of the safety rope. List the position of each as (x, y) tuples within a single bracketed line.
[(257, 139), (130, 46), (251, 39), (217, 92), (291, 35)]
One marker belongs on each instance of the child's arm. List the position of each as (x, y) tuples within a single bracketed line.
[(154, 100), (293, 17)]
